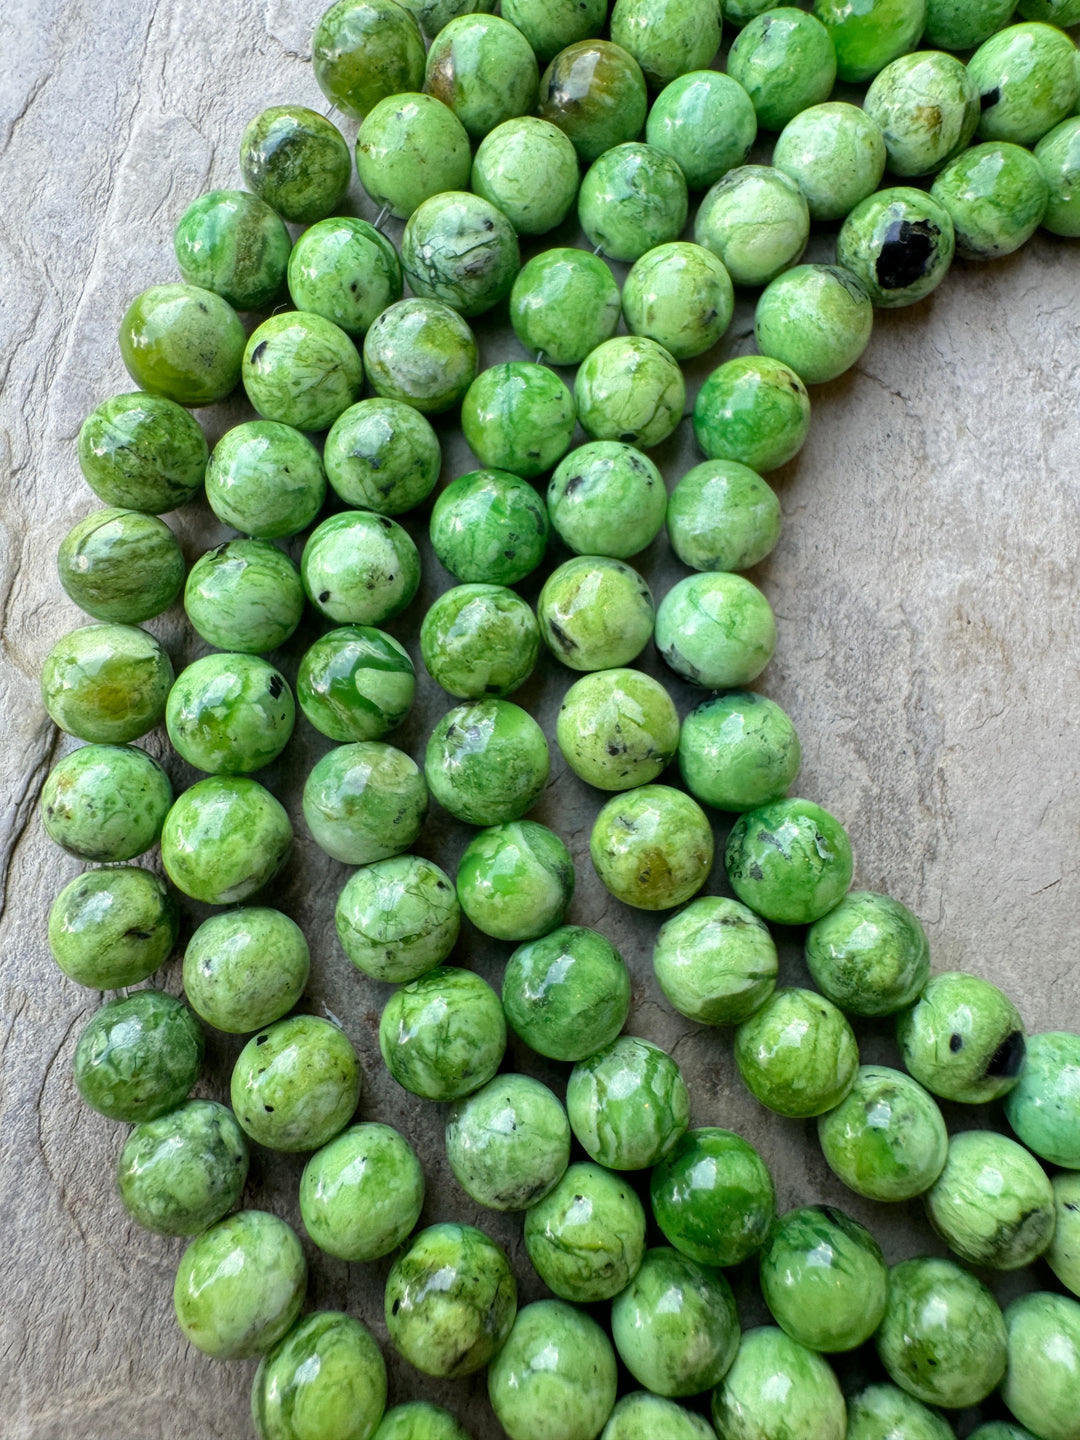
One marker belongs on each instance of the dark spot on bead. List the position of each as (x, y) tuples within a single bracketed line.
[(137, 934), (219, 551), (354, 287), (629, 437), (1008, 1057), (275, 686), (989, 98), (262, 1039), (907, 253), (395, 1307), (955, 1042), (324, 596), (202, 307), (492, 689), (755, 872), (573, 483), (269, 1109), (441, 885), (489, 224), (255, 354), (509, 554), (566, 641), (385, 523)]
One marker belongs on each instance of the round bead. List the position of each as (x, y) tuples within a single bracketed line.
[(1058, 154), (754, 410), (556, 1374), (886, 1410), (887, 1140), (265, 479), (667, 38), (1027, 81), (484, 69), (568, 994), (586, 1238), (816, 319), (564, 303), (617, 729), (898, 243), (509, 1143), (183, 343), (137, 1058), (365, 802), (433, 15), (487, 762), (797, 1054), (230, 714), (529, 170), (296, 1084), (112, 928), (713, 1197), (630, 389), (716, 629), (382, 455), (927, 106), (106, 683), (479, 640), (628, 1104), (867, 38), (595, 613), (738, 751), (361, 1194), (642, 1416), (301, 370), (515, 881), (1044, 1106), (326, 1377), (870, 955), (723, 516), (756, 220), (365, 50), (234, 244), (398, 918), (105, 803), (631, 199), (790, 861), (142, 452), (419, 1420), (715, 961), (443, 1036), (518, 418), (245, 969), (490, 527), (824, 1278), (679, 295), (835, 153), (1063, 1256), (422, 353), (551, 25), (652, 847), (180, 1173), (244, 596), (595, 93), (996, 196), (1000, 1429), (964, 24), (706, 122), (345, 271), (359, 568), (356, 683), (964, 1039), (992, 1204), (224, 839), (776, 1384), (121, 565), (459, 249), (297, 161), (606, 498), (411, 147), (1041, 1387), (785, 61)]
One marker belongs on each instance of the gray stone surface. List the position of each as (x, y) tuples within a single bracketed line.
[(926, 592)]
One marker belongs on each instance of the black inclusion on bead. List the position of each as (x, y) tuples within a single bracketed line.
[(955, 1042), (907, 253), (989, 98), (1008, 1058), (257, 352)]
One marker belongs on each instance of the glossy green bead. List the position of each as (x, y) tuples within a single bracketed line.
[(667, 38), (606, 498), (715, 961), (487, 762), (551, 25), (245, 968), (356, 683), (927, 106), (489, 527), (1044, 1106), (617, 729), (479, 640), (365, 801), (411, 147), (595, 93), (362, 1193), (360, 568), (630, 389), (870, 955), (325, 1378), (515, 881), (398, 918), (943, 1336), (1000, 1429), (555, 1375), (434, 15), (1042, 1384), (137, 1058), (785, 61), (121, 565), (508, 1144), (964, 24), (631, 199), (443, 1036), (586, 1238), (244, 596), (723, 516), (964, 1039), (230, 714), (595, 613), (1027, 81), (679, 295), (716, 629), (628, 1104), (297, 161), (459, 249), (382, 455), (713, 1197), (484, 69), (652, 847), (422, 353), (365, 50), (868, 36), (105, 803), (565, 303), (224, 839), (816, 319), (884, 1412), (738, 751), (756, 220), (1063, 13), (240, 1286), (301, 370), (142, 452), (346, 271), (706, 122), (418, 1420), (183, 343), (180, 1173), (887, 1140), (529, 170), (112, 928), (296, 1083), (641, 1416), (106, 683), (836, 155), (776, 1389), (992, 1204), (790, 861), (1063, 1256), (996, 196), (898, 244), (234, 244), (566, 995), (1058, 154), (797, 1054), (754, 410), (518, 418), (824, 1278), (265, 479)]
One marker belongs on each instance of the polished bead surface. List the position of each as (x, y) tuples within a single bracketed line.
[(230, 714), (398, 918), (433, 15), (137, 1058), (515, 881), (716, 629), (992, 1204), (234, 244), (244, 596), (296, 1083), (606, 498), (617, 729), (265, 479), (508, 1144), (551, 25), (824, 1278), (816, 319), (443, 1036), (360, 568), (628, 1104), (870, 955), (927, 106), (302, 370), (867, 36), (996, 196), (356, 683), (183, 343), (713, 1197), (1027, 81), (1044, 1106), (641, 1416), (565, 303), (529, 169), (326, 1377), (667, 38), (632, 199), (964, 1039), (964, 24), (121, 565), (595, 93), (459, 249), (898, 244), (106, 683), (887, 1411), (365, 50), (776, 1388), (630, 389), (723, 516), (887, 1140), (345, 271), (490, 527), (785, 61), (715, 961), (835, 153), (224, 839), (180, 1173), (556, 1375), (1042, 1384), (586, 1238), (111, 928), (484, 69), (595, 613), (105, 803), (756, 220), (422, 353), (518, 417), (738, 751), (245, 968), (679, 295), (362, 1193), (790, 861), (652, 847), (1058, 154), (479, 640), (382, 455), (568, 994), (142, 452), (297, 161), (1063, 1256), (419, 1420), (364, 802), (410, 148), (797, 1054), (706, 122), (754, 410), (487, 762)]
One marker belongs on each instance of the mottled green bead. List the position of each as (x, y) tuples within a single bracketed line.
[(356, 683), (628, 1104), (631, 199), (555, 1375), (996, 196), (790, 861), (183, 343), (738, 751), (224, 839), (824, 1278), (641, 1416), (244, 596), (617, 729), (884, 1412), (835, 153), (518, 418), (296, 1083), (606, 498), (479, 640), (887, 1140), (240, 1286), (112, 928), (398, 918), (756, 220), (484, 69), (964, 1039), (529, 170), (667, 38), (679, 295), (899, 244), (487, 762), (595, 613), (105, 803), (459, 249), (713, 1197), (723, 516), (1042, 1384), (551, 25), (630, 389), (564, 303), (434, 15), (652, 847), (490, 527), (754, 410), (360, 568), (927, 106), (365, 802), (716, 629), (138, 1058), (797, 1054), (777, 1389), (816, 319), (297, 161), (302, 370), (121, 565), (868, 35), (422, 353), (443, 1036), (706, 122), (265, 479), (344, 270), (230, 714), (1063, 13), (419, 1420), (106, 683), (411, 147), (568, 994), (361, 1194), (515, 881), (234, 244), (142, 452), (870, 955), (1063, 1256), (1027, 81), (963, 24), (509, 1143), (245, 968), (1044, 1107), (326, 1377), (382, 455), (595, 93), (1058, 154), (365, 50), (785, 61), (992, 1204), (586, 1239), (180, 1173), (715, 961), (943, 1336)]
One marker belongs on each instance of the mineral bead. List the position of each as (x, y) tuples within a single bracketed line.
[(1063, 1256), (816, 319), (326, 1377), (361, 1194), (529, 170), (824, 1278), (245, 969), (410, 148), (679, 295), (870, 955), (301, 370), (631, 199), (551, 25), (356, 683), (996, 196), (568, 994), (716, 629), (887, 1140), (244, 596), (943, 1336), (121, 565), (1058, 154), (265, 479), (756, 220), (586, 1239), (296, 1083), (518, 418), (180, 1173), (785, 61), (360, 568), (606, 498), (867, 37), (715, 961), (398, 918), (230, 714), (433, 15), (138, 1058), (490, 527), (183, 343), (723, 516), (617, 729), (382, 455), (112, 928), (595, 93), (479, 640), (297, 161), (105, 803), (365, 802), (1000, 1429), (509, 1143), (555, 1375), (754, 410), (652, 847), (422, 353), (515, 881), (713, 1197), (344, 270), (963, 24), (1044, 1107), (595, 613), (797, 1054), (630, 389), (443, 1036), (963, 1040), (1063, 13), (738, 751), (142, 452), (459, 249), (365, 50), (1027, 81), (927, 106), (898, 243), (885, 1411), (641, 1416), (224, 839), (790, 861), (992, 1204), (776, 1387), (835, 153), (667, 38), (240, 1286), (706, 122), (628, 1104), (487, 762), (564, 303), (234, 244), (106, 683), (1041, 1386), (484, 69), (419, 1421)]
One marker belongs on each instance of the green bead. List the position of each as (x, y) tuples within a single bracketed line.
[(183, 343), (595, 93), (790, 861), (487, 762), (398, 918), (754, 410), (529, 170), (411, 147), (586, 1239), (628, 1104), (240, 1286), (365, 802), (652, 847), (883, 1412), (1063, 13), (870, 955), (1044, 1107), (121, 565), (142, 452), (715, 961), (631, 199), (244, 596), (224, 839), (943, 1336), (617, 729), (555, 1375), (716, 629), (434, 15), (419, 1420), (551, 25), (606, 498), (382, 455), (1027, 81), (679, 295), (326, 1377), (1042, 1384), (509, 1143), (422, 353), (296, 1084), (797, 1054), (996, 196), (595, 613), (785, 61), (564, 303), (265, 479), (1000, 1429), (301, 370), (518, 418), (964, 24), (138, 1058), (443, 1036), (459, 249), (1063, 1256), (1058, 154), (835, 153), (184, 1171), (484, 69), (927, 106), (777, 1389), (756, 220), (230, 714), (365, 50), (824, 1278), (964, 1039), (359, 568), (738, 751), (105, 803), (630, 389), (106, 683), (723, 516), (297, 161), (816, 319), (515, 881), (361, 1194), (568, 994), (667, 38), (112, 928), (898, 244), (706, 122), (344, 270), (713, 1197), (356, 683), (234, 244), (479, 640), (489, 527), (245, 968), (992, 1204), (641, 1416), (887, 1140), (868, 35)]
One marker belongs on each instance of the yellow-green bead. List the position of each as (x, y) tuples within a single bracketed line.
[(785, 61), (606, 498), (1044, 1107), (183, 343), (790, 861), (992, 1203), (180, 1173), (459, 249), (715, 961), (586, 1238), (529, 170), (1058, 154), (107, 684), (652, 847), (595, 93), (245, 595), (398, 918), (1042, 1382), (411, 147), (105, 803), (487, 762), (628, 1104), (797, 1054), (836, 155), (632, 199), (723, 516), (518, 417), (297, 161), (551, 25), (867, 36), (996, 195), (595, 613), (345, 271), (869, 955), (484, 69), (362, 1193), (738, 751), (630, 389), (1027, 81), (927, 106), (245, 968), (667, 38), (777, 1386), (360, 568), (963, 1039), (142, 452), (515, 881), (113, 927), (480, 640), (224, 839), (567, 994), (443, 1035), (365, 802), (230, 714), (964, 24), (422, 353), (234, 244), (887, 1140), (265, 479), (138, 1056), (356, 683), (508, 1144), (816, 319), (490, 527), (679, 295), (556, 1375), (716, 630), (296, 1083), (1063, 1256), (824, 1278), (617, 729), (713, 1197), (899, 244), (565, 303), (756, 220), (382, 455), (302, 370), (365, 50), (752, 409), (326, 1377), (706, 122)]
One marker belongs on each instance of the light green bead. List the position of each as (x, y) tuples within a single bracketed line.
[(1027, 81), (756, 220), (137, 1058), (230, 714), (105, 803), (992, 1204), (884, 1412), (344, 270), (1063, 1256), (365, 802), (723, 516), (234, 244), (509, 1143), (1044, 1107), (180, 1173), (515, 881), (183, 343), (606, 498), (586, 1239), (785, 61), (816, 319), (555, 1376), (484, 69), (996, 196), (529, 170), (887, 1140), (245, 969), (927, 106), (1000, 1429), (398, 918), (754, 410), (631, 199), (628, 1104), (519, 418), (297, 161), (551, 25), (443, 1036), (356, 683), (1063, 13), (667, 38), (630, 389), (679, 295), (713, 1197), (487, 762), (567, 994), (797, 1054), (964, 1039), (564, 303), (433, 15), (652, 847), (641, 1416), (868, 36), (738, 751), (411, 147), (870, 955), (121, 565), (296, 1083), (362, 1193), (302, 370), (1042, 1384), (595, 613), (111, 928), (1058, 154), (824, 1278), (244, 596), (422, 353), (382, 455), (326, 1377), (480, 640), (142, 452), (836, 155), (360, 568), (776, 1389), (459, 249), (617, 729), (106, 683), (595, 93), (963, 24), (790, 861), (716, 629), (715, 961), (490, 527), (419, 1420), (364, 50), (898, 243), (265, 479), (706, 122)]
